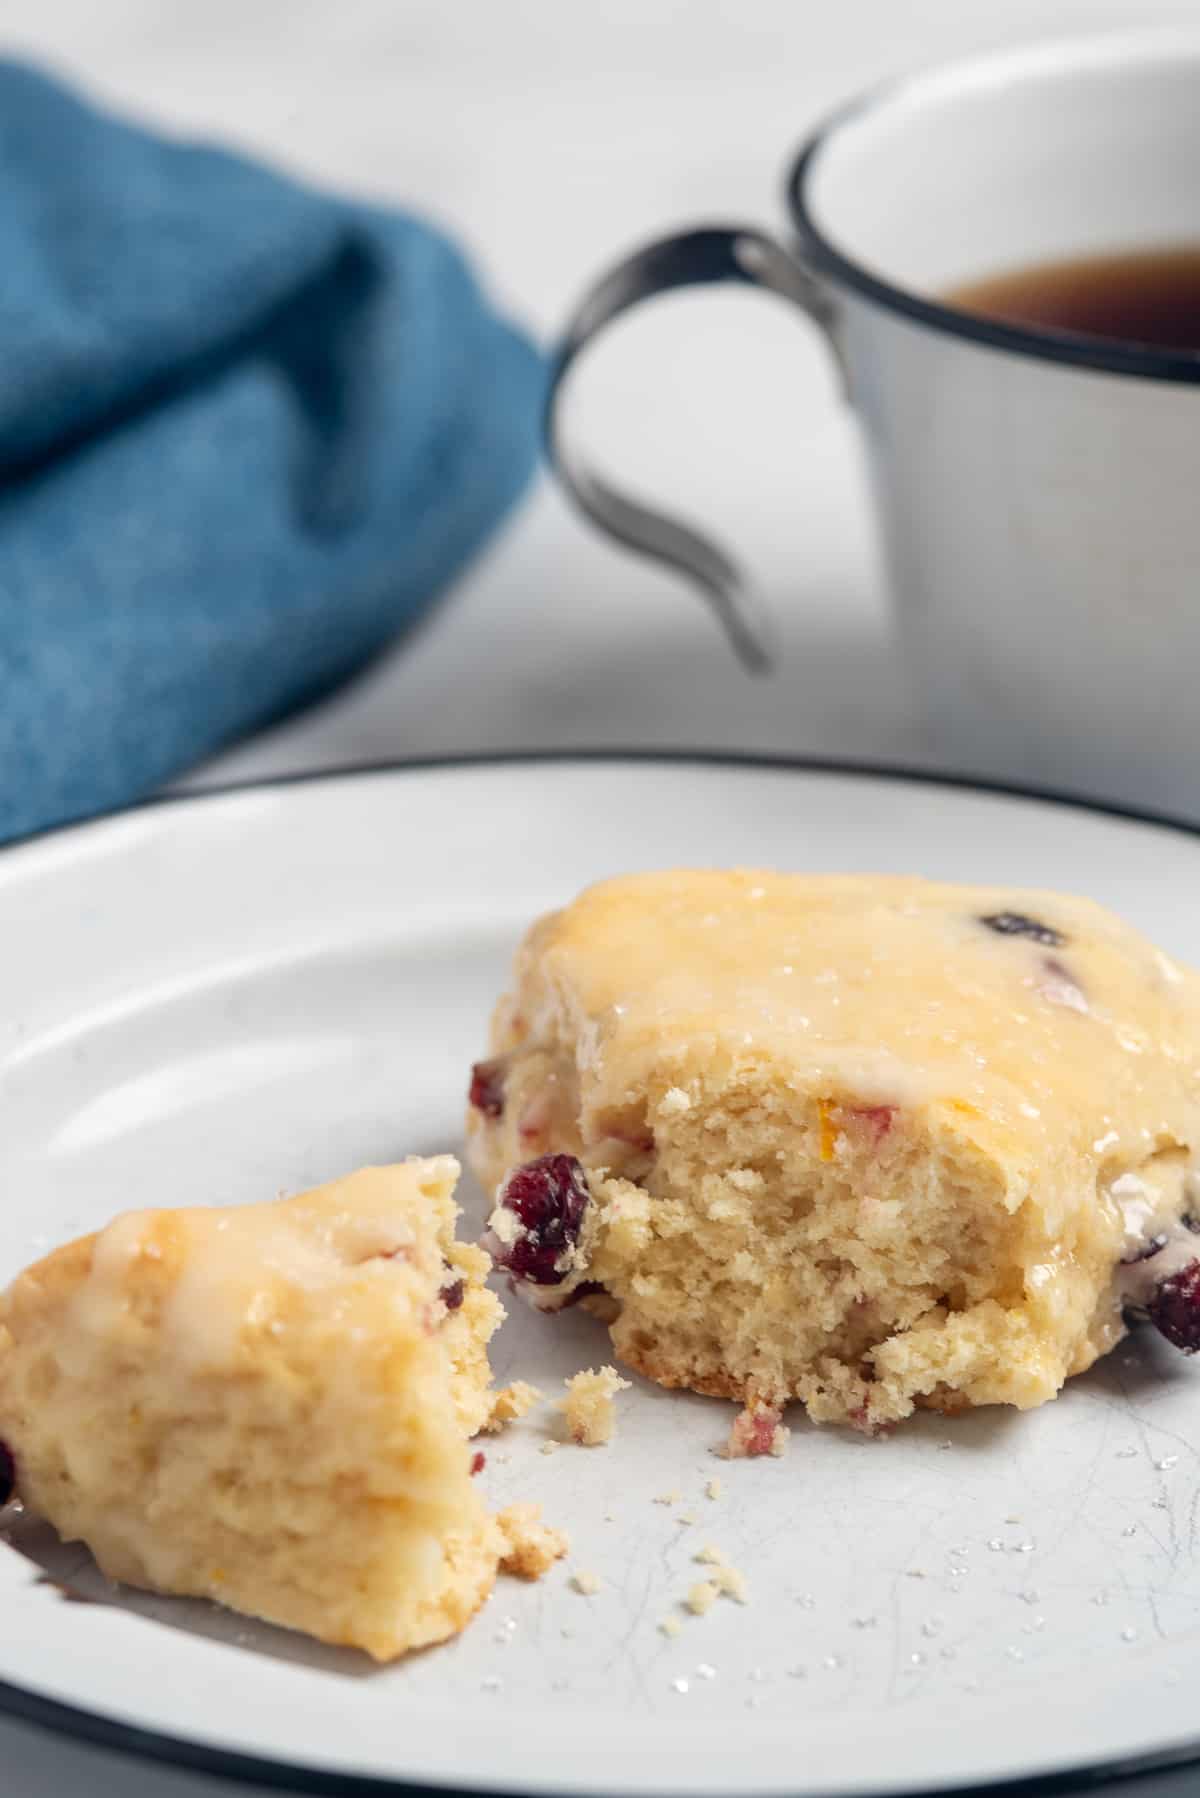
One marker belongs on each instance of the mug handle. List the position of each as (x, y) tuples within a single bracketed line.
[(689, 259)]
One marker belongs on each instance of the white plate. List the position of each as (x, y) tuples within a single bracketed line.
[(213, 999)]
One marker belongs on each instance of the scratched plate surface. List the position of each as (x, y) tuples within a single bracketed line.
[(214, 1000)]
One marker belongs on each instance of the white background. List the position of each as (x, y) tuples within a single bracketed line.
[(553, 135)]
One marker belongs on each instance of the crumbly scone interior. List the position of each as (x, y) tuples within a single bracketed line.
[(801, 1250), (858, 1270)]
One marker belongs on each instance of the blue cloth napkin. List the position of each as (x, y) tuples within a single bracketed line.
[(247, 432)]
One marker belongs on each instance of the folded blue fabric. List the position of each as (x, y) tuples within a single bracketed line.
[(247, 432)]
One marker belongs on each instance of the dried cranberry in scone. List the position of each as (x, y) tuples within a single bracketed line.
[(1057, 983), (876, 1120), (1016, 923), (1174, 1308), (486, 1091), (533, 1233)]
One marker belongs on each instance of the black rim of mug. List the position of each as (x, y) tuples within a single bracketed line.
[(1101, 354), (56, 1717)]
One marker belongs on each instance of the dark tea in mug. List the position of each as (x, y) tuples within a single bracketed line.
[(1149, 297)]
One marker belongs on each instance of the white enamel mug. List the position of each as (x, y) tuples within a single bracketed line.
[(1038, 492)]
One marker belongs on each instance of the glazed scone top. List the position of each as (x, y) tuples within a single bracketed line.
[(1056, 1021), (243, 1272)]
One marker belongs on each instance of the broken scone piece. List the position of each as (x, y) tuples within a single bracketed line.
[(509, 1405), (268, 1405), (530, 1547), (866, 1142), (588, 1406), (758, 1429)]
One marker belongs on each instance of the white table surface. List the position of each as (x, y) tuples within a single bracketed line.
[(553, 135)]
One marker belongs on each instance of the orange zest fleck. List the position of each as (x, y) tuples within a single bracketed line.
[(826, 1111)]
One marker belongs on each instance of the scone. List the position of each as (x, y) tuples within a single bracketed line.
[(268, 1405), (870, 1143)]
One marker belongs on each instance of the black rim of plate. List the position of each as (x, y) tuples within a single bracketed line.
[(1105, 355), (57, 1717)]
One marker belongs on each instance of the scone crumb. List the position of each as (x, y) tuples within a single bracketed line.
[(745, 1179), (590, 1414), (550, 1446), (667, 1498), (757, 1430), (710, 1556), (713, 1489), (670, 1626), (702, 1597), (531, 1547), (587, 1583), (510, 1403), (732, 1583)]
